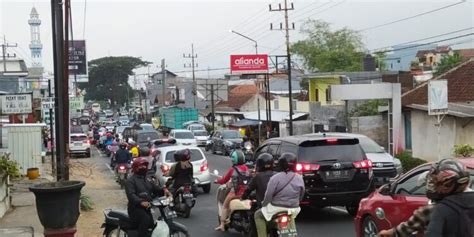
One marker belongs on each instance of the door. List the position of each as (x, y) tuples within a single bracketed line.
[(407, 118)]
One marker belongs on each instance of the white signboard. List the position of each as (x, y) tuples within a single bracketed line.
[(47, 103), (76, 103), (16, 104), (437, 97)]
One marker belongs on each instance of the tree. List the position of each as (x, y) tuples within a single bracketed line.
[(329, 50), (447, 63), (380, 61), (108, 78)]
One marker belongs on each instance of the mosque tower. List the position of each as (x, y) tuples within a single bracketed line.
[(35, 46)]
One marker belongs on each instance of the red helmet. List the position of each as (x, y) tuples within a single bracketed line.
[(140, 161)]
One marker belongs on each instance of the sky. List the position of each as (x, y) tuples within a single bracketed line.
[(158, 29)]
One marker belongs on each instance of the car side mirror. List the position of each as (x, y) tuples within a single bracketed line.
[(386, 189)]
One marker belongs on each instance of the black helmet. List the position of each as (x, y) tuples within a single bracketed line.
[(245, 139), (286, 162), (144, 152), (182, 155), (264, 162), (447, 177), (123, 145)]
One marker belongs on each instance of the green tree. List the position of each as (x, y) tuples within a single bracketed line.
[(108, 78), (380, 61), (447, 63), (329, 50)]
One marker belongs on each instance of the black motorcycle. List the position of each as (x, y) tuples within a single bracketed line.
[(184, 200), (118, 221)]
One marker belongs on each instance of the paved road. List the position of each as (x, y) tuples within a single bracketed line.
[(326, 222)]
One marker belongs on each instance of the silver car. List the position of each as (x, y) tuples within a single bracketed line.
[(201, 137), (165, 159)]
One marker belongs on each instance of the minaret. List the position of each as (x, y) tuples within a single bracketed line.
[(35, 45)]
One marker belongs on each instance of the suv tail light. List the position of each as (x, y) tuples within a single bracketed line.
[(204, 166), (363, 164), (305, 167), (283, 221)]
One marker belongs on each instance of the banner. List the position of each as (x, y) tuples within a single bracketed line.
[(16, 104), (77, 57), (249, 64)]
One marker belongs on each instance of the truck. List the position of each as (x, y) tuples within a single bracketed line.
[(175, 117)]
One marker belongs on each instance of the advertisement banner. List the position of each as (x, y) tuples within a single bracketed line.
[(76, 103), (77, 57), (438, 97), (16, 104), (249, 64)]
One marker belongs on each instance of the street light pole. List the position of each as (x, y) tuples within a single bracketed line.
[(258, 88)]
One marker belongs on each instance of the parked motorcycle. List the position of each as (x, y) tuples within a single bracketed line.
[(118, 221), (184, 200)]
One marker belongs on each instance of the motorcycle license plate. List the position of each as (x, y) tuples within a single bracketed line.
[(289, 232), (122, 171), (170, 214), (188, 195)]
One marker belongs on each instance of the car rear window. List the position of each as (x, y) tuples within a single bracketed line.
[(145, 137), (200, 133), (183, 135), (331, 149), (231, 134), (195, 155), (78, 138)]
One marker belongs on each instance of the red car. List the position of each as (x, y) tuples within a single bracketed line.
[(395, 202)]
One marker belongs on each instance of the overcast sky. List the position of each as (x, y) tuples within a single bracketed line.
[(156, 29)]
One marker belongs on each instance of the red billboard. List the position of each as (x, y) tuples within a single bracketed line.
[(249, 64)]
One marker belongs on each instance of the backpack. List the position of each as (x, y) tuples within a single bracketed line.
[(465, 227), (240, 180)]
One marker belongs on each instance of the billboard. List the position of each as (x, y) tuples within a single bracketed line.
[(249, 64), (77, 57), (437, 97), (16, 104)]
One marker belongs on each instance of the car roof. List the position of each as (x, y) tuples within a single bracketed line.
[(340, 134), (176, 147), (200, 131), (180, 130), (146, 131), (298, 139)]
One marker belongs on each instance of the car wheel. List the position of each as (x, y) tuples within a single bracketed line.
[(352, 209), (369, 227), (206, 188)]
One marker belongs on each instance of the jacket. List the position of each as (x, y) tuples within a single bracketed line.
[(122, 156), (416, 223), (259, 185), (141, 188), (230, 173), (445, 220), (288, 196), (181, 176)]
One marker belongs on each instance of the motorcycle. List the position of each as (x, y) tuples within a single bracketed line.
[(184, 200), (248, 151), (208, 144), (122, 171), (117, 221)]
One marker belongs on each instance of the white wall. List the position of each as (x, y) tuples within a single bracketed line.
[(252, 104), (283, 104)]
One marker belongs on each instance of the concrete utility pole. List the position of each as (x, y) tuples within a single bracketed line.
[(163, 82), (193, 65), (287, 36), (5, 45)]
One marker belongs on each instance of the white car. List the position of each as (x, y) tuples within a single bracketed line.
[(80, 144), (147, 127), (119, 130), (201, 137), (183, 137), (165, 160), (196, 126)]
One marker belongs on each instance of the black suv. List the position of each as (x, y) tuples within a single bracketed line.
[(335, 169), (225, 141)]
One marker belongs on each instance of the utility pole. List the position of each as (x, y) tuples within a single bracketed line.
[(213, 118), (287, 36), (163, 82), (193, 65), (5, 45)]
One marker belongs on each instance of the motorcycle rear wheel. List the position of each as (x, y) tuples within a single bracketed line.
[(179, 234), (115, 233)]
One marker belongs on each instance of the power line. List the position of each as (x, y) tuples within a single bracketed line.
[(324, 10), (411, 17)]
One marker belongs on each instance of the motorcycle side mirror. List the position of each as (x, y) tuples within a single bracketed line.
[(216, 172), (385, 189)]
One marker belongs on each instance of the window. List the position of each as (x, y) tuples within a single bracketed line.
[(328, 94), (293, 104), (195, 155), (230, 134), (262, 149), (412, 186), (316, 95), (287, 147), (184, 135), (276, 104), (273, 149)]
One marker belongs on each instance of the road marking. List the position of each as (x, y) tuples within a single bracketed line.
[(339, 209), (110, 168)]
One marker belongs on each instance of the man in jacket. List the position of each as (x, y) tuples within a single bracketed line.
[(264, 166)]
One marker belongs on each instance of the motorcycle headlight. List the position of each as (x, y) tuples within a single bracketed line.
[(248, 146)]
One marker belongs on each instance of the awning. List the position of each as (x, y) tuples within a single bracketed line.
[(244, 123)]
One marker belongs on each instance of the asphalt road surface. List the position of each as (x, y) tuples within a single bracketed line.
[(332, 221)]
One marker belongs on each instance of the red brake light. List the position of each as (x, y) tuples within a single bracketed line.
[(304, 167), (331, 140), (165, 168), (204, 166), (121, 167), (283, 221), (363, 164)]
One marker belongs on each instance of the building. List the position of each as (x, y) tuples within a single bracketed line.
[(420, 130), (465, 54), (12, 75), (429, 59), (401, 56)]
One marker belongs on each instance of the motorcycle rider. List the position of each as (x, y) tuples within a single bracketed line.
[(140, 191), (284, 193), (134, 149), (238, 168), (181, 172), (447, 186), (122, 156), (264, 168)]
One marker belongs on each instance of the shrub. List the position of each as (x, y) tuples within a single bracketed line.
[(86, 203), (408, 161), (8, 166), (463, 150)]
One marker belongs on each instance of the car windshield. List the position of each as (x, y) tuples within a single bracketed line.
[(196, 127), (313, 151), (231, 134), (195, 155), (78, 138), (200, 133), (145, 137), (120, 129), (147, 127), (123, 118), (183, 135), (369, 146)]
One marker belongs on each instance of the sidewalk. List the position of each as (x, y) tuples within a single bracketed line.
[(23, 212)]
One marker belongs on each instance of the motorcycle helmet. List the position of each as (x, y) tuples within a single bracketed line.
[(445, 178), (140, 162), (286, 162), (245, 139), (237, 157), (182, 155), (264, 162), (144, 152), (123, 145)]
